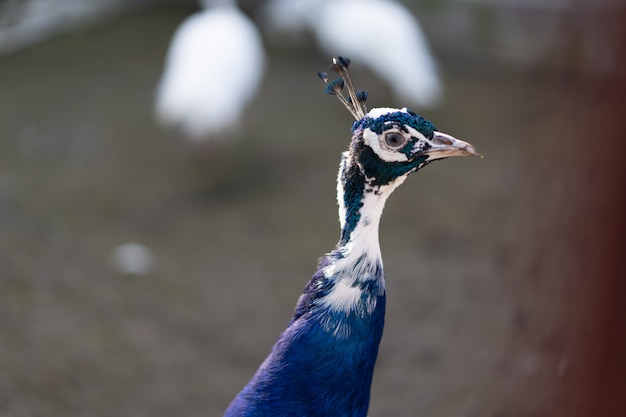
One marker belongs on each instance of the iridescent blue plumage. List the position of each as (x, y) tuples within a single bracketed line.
[(398, 119), (323, 363), (311, 371)]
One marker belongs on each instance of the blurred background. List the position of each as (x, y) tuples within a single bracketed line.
[(145, 273)]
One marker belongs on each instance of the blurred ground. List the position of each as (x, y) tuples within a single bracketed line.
[(480, 255)]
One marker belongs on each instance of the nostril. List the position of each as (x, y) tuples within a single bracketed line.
[(441, 140)]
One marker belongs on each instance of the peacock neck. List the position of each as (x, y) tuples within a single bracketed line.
[(323, 363), (361, 202)]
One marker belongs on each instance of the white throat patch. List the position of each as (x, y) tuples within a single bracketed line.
[(360, 261)]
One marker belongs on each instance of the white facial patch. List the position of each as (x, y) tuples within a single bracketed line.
[(416, 134)]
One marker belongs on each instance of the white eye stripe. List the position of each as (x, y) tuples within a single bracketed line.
[(421, 140), (415, 133)]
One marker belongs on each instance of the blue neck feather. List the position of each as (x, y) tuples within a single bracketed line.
[(310, 372)]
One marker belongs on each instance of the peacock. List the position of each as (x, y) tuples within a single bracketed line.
[(323, 363)]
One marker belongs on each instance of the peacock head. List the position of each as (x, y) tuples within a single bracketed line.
[(390, 143)]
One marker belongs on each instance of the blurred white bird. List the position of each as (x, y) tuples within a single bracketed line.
[(382, 34), (213, 69)]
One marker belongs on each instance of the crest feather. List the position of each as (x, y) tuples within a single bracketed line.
[(355, 102)]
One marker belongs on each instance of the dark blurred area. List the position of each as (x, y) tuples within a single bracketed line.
[(505, 278)]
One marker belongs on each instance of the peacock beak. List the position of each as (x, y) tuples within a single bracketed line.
[(444, 146)]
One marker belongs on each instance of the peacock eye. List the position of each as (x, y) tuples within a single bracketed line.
[(394, 139)]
